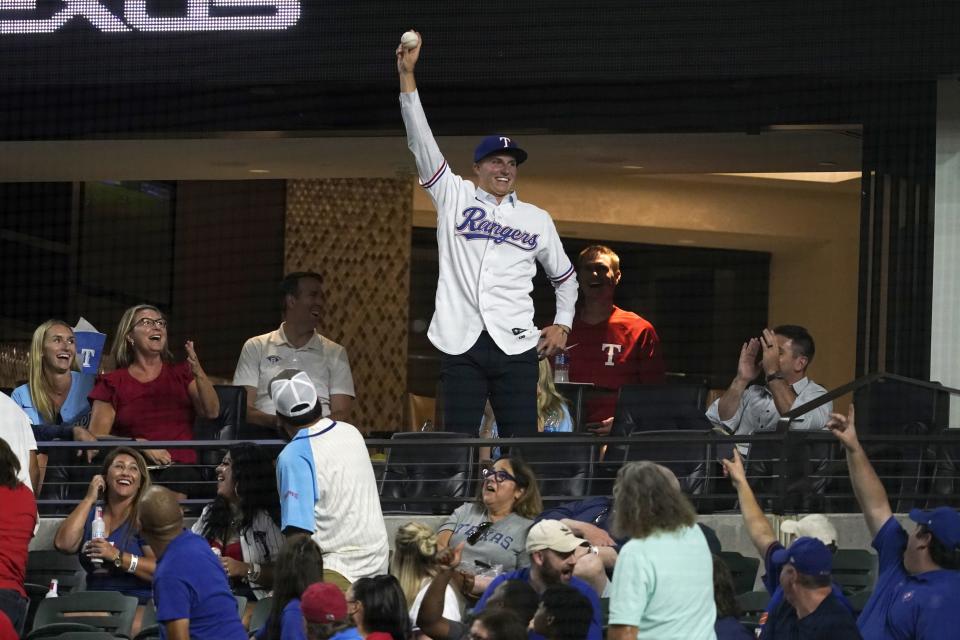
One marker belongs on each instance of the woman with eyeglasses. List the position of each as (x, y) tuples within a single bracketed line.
[(495, 528), (243, 521), (149, 397)]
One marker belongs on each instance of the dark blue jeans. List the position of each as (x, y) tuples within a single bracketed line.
[(484, 371)]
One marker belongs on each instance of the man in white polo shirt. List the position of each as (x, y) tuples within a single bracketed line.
[(489, 245), (296, 345), (326, 484)]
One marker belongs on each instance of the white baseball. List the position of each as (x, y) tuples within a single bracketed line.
[(409, 40)]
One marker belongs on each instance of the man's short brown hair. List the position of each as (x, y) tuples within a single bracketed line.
[(593, 251)]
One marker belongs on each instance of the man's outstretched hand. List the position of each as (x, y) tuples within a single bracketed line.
[(407, 58), (845, 429)]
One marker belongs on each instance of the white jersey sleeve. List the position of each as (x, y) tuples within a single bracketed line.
[(561, 273), (435, 176)]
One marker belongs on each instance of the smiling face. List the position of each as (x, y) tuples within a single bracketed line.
[(304, 308), (496, 174), (500, 494), (149, 333), (226, 484), (123, 476), (598, 276), (59, 348)]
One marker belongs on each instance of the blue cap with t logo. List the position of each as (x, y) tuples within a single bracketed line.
[(499, 144)]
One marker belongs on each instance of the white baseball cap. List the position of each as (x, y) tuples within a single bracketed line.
[(812, 526), (293, 393)]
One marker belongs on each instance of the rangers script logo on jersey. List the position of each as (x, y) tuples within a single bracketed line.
[(475, 226)]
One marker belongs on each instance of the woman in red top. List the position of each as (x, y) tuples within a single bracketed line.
[(16, 530), (148, 397)]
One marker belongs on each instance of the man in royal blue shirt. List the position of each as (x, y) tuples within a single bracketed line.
[(917, 595), (553, 553), (190, 588)]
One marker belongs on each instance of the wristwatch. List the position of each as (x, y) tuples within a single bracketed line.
[(118, 561)]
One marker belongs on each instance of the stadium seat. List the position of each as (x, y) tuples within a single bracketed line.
[(109, 611), (855, 570), (743, 569), (45, 565), (412, 473), (752, 605), (564, 471), (227, 425)]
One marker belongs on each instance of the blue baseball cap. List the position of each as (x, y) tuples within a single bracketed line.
[(498, 144), (808, 556), (942, 522)]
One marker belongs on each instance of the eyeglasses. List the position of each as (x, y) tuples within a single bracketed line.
[(159, 323), (498, 475), (474, 537)]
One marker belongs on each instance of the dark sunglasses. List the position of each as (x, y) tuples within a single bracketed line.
[(474, 537), (498, 476)]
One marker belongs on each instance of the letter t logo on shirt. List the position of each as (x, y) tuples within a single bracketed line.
[(611, 349)]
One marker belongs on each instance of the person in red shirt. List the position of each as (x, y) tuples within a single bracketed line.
[(16, 530), (614, 347), (149, 397)]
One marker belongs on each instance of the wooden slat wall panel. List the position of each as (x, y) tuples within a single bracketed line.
[(356, 232)]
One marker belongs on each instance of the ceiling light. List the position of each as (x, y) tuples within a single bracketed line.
[(632, 166), (800, 176), (259, 170)]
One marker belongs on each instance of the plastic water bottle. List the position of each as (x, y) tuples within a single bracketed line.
[(52, 593), (98, 529), (561, 367)]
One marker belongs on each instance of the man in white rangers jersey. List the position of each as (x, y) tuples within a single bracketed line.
[(489, 243)]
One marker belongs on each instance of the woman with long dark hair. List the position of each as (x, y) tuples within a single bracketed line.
[(243, 521), (378, 604), (121, 560), (299, 564)]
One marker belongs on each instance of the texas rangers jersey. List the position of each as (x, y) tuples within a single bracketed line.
[(488, 254)]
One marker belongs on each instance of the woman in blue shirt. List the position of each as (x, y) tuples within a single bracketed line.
[(120, 561), (55, 396)]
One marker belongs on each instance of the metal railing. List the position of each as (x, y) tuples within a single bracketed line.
[(791, 472)]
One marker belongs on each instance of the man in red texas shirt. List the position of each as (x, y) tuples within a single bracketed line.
[(613, 346)]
